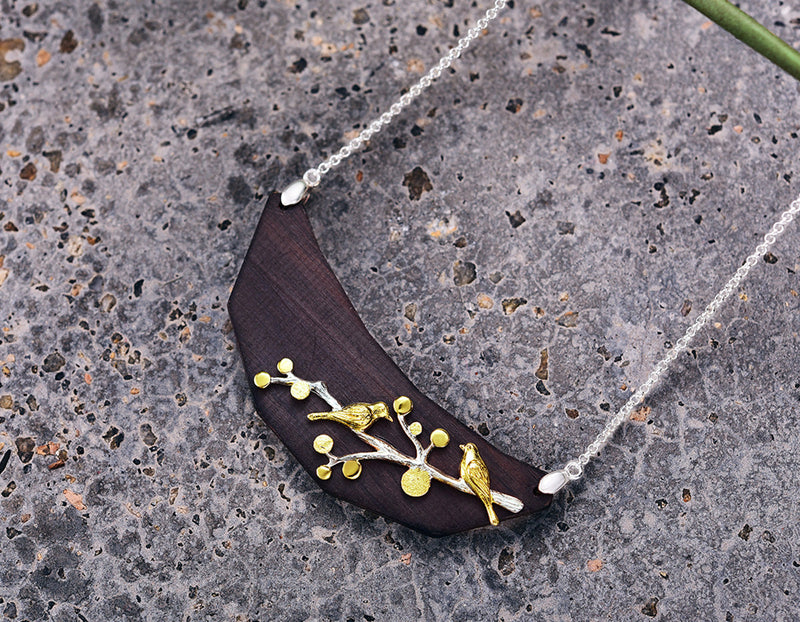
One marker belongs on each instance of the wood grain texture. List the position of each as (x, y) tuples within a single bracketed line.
[(288, 303)]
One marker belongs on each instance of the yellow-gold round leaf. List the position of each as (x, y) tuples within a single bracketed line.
[(415, 482), (300, 390), (285, 366), (440, 437), (403, 405), (324, 472), (415, 428), (323, 444), (351, 469), (262, 380)]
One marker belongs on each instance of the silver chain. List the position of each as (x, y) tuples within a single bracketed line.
[(311, 178), (573, 469)]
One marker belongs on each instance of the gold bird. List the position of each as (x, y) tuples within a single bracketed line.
[(476, 475), (357, 416)]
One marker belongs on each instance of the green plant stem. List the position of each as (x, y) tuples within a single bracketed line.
[(751, 33)]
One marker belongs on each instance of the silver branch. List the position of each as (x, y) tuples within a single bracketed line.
[(383, 450)]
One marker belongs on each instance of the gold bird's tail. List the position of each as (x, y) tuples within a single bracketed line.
[(318, 416), (492, 516)]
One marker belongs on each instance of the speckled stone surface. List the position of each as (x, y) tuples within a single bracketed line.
[(581, 184)]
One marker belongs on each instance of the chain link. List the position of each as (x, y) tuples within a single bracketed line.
[(313, 176), (573, 469)]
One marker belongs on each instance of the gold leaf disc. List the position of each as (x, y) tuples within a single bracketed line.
[(262, 380), (415, 482), (440, 437), (285, 366), (403, 405), (324, 472), (351, 469), (323, 444), (415, 428), (300, 390)]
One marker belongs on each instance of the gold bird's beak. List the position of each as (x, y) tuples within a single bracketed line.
[(381, 411), (462, 447)]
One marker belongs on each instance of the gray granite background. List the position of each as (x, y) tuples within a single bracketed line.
[(596, 171)]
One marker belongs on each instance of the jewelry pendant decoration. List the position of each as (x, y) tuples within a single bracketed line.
[(416, 481), (286, 300)]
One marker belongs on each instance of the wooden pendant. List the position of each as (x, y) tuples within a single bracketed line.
[(359, 427)]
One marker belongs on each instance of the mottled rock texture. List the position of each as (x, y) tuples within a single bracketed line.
[(580, 184)]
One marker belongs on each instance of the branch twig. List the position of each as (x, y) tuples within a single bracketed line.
[(387, 452), (751, 33), (383, 450)]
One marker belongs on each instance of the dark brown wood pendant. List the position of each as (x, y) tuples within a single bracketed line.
[(288, 303)]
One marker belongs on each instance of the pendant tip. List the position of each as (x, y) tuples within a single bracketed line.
[(551, 483), (294, 193)]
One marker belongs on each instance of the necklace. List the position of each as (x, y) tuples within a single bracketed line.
[(435, 486)]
